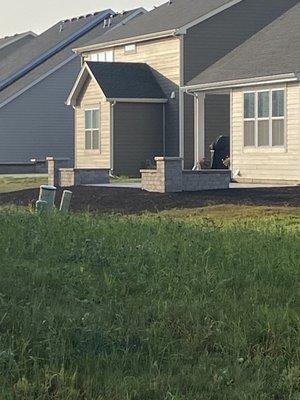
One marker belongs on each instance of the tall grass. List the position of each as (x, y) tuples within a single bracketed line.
[(148, 308)]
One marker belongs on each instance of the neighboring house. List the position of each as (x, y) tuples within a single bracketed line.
[(178, 40), (35, 82), (262, 78), (9, 44)]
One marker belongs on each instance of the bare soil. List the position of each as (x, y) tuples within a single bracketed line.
[(135, 201)]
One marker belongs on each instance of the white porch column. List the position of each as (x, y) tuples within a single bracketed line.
[(199, 134)]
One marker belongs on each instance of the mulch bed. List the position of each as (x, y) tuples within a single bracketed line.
[(131, 201)]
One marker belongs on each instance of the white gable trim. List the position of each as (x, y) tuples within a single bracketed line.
[(83, 74), (40, 79)]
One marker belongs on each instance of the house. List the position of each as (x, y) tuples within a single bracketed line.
[(35, 82), (9, 44), (177, 40), (262, 79)]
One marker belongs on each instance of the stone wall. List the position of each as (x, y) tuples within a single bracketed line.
[(205, 180), (170, 178), (53, 167), (76, 177), (59, 174)]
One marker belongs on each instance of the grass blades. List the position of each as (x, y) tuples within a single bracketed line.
[(149, 307)]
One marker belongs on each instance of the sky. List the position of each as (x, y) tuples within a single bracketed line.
[(37, 15)]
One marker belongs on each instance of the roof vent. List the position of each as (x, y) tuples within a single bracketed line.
[(61, 27)]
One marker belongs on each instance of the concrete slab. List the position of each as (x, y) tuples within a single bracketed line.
[(119, 185), (24, 176), (137, 185), (256, 185)]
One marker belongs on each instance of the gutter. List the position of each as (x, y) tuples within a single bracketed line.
[(290, 77), (121, 42)]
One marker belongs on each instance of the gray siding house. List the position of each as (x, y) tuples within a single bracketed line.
[(35, 81), (178, 40)]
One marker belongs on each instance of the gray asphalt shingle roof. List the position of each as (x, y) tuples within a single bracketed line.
[(126, 80), (43, 43), (13, 43), (5, 41), (275, 50), (40, 44), (163, 18)]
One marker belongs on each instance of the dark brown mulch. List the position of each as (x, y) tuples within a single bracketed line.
[(129, 201)]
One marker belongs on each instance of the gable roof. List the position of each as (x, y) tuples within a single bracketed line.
[(120, 81), (49, 39), (10, 44), (274, 51), (8, 40), (170, 16)]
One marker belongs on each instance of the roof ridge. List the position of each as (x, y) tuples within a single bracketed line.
[(15, 35), (88, 15)]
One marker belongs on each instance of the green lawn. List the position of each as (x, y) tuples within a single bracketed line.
[(11, 184), (149, 307), (124, 179)]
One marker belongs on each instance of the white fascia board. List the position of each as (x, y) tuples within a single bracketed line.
[(38, 80), (121, 42), (183, 29), (266, 80), (162, 101), (75, 88)]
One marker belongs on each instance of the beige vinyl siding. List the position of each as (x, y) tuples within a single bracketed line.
[(272, 164), (163, 55), (207, 42), (92, 97)]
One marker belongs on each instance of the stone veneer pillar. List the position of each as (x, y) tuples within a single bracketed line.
[(170, 169)]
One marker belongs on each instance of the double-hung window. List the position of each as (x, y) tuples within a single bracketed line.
[(264, 118), (92, 129)]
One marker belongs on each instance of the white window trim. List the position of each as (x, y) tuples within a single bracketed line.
[(270, 147), (105, 52), (99, 150)]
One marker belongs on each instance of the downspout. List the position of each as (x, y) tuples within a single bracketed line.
[(164, 129), (112, 106)]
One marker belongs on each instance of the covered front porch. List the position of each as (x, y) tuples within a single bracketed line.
[(208, 145)]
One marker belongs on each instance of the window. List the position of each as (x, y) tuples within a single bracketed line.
[(264, 119), (103, 56), (130, 48), (92, 129)]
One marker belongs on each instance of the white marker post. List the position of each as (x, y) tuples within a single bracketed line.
[(65, 201)]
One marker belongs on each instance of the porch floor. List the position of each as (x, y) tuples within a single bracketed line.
[(137, 185)]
